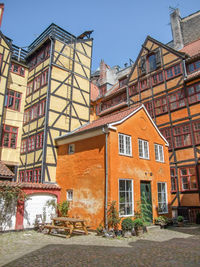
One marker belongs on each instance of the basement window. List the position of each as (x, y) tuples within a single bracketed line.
[(71, 149)]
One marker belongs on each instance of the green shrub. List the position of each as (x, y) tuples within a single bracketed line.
[(113, 216), (63, 208), (127, 224), (161, 220), (138, 223), (180, 219)]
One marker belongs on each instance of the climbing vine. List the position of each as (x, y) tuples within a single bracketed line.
[(9, 196)]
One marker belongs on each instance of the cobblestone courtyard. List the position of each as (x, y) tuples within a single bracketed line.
[(159, 247)]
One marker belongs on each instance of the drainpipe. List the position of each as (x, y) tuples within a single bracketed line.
[(105, 131)]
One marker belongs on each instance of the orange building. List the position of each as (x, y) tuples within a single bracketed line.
[(120, 157)]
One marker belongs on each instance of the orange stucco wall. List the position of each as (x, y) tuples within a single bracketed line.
[(84, 171), (124, 167)]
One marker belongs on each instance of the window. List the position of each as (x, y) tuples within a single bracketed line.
[(150, 109), (125, 197), (144, 84), (188, 178), (143, 149), (177, 100), (196, 128), (133, 89), (152, 62), (43, 54), (29, 88), (194, 93), (17, 69), (23, 145), (173, 180), (166, 132), (193, 66), (182, 136), (123, 82), (160, 105), (39, 140), (31, 176), (159, 155), (157, 78), (31, 143), (9, 136), (125, 147), (69, 194), (34, 112), (162, 198), (13, 100), (173, 71), (71, 149)]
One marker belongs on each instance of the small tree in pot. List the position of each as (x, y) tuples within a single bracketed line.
[(127, 227), (113, 217), (138, 226), (180, 220)]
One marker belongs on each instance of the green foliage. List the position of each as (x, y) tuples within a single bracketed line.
[(180, 219), (145, 209), (138, 223), (61, 208), (127, 224), (9, 196), (161, 220), (113, 216), (99, 229)]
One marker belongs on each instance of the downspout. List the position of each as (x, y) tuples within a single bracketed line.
[(105, 131)]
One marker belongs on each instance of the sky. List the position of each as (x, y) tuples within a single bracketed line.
[(120, 26)]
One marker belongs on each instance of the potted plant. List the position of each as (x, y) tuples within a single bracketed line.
[(113, 218), (180, 220), (138, 226), (99, 229), (127, 227), (162, 221)]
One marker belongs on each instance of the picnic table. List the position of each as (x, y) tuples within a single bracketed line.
[(67, 224)]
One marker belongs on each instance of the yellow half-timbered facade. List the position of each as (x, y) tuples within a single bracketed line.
[(44, 93)]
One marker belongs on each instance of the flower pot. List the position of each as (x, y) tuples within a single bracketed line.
[(139, 231), (180, 224)]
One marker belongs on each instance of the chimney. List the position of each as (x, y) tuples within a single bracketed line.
[(176, 29), (1, 12)]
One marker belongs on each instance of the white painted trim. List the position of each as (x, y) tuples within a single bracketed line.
[(135, 111), (165, 212), (130, 215)]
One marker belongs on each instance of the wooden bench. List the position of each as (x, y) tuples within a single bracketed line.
[(67, 224)]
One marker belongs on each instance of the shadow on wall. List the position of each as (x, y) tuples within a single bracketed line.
[(139, 253)]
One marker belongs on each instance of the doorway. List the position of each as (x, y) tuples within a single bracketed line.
[(146, 201)]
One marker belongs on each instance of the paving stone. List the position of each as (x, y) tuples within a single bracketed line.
[(178, 246)]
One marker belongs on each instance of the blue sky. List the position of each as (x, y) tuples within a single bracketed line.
[(120, 27)]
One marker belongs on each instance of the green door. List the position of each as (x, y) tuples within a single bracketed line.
[(146, 201)]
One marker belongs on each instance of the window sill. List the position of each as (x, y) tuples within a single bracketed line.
[(130, 156), (130, 215)]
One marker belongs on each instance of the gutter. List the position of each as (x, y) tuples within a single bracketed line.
[(106, 131)]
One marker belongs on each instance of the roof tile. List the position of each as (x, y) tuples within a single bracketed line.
[(5, 171), (192, 49), (29, 185)]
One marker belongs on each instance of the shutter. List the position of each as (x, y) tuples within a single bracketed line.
[(142, 65), (158, 58)]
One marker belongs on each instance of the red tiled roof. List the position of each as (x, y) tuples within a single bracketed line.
[(5, 171), (114, 117), (193, 75), (94, 92), (192, 49), (29, 185)]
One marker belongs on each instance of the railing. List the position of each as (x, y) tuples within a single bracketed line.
[(54, 31), (19, 53)]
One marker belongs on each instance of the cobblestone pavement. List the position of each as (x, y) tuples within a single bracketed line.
[(175, 246)]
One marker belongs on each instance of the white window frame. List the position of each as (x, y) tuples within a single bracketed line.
[(159, 153), (69, 195), (71, 149), (163, 195), (123, 149), (132, 195), (144, 155)]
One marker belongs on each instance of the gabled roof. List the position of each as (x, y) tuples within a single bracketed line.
[(192, 49), (149, 38), (108, 121), (5, 171), (6, 40)]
